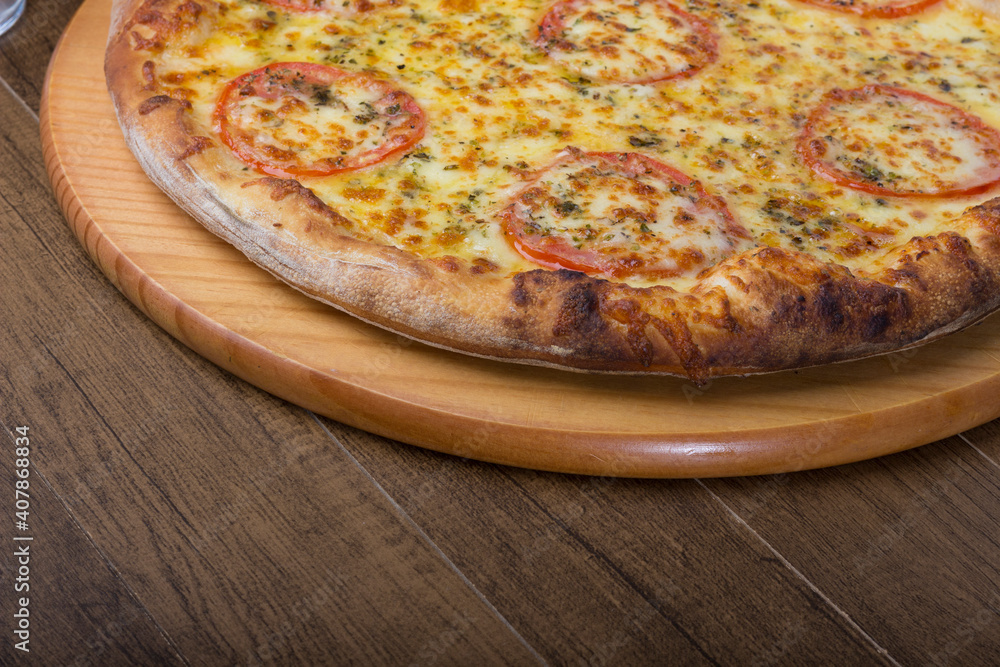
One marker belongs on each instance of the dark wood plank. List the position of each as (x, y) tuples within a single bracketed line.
[(907, 546), (241, 530), (79, 612), (605, 571), (25, 50), (986, 440)]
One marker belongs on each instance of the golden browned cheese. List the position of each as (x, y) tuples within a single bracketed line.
[(498, 105), (791, 251)]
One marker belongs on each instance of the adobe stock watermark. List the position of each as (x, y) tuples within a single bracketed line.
[(693, 391), (22, 539), (898, 360), (565, 517), (491, 425)]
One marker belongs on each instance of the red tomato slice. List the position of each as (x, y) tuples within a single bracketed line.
[(303, 119), (620, 215), (896, 142), (627, 41), (874, 8)]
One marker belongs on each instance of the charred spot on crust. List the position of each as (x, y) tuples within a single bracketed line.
[(876, 324), (828, 306), (865, 309), (808, 295), (588, 309), (573, 309), (520, 294), (790, 310), (579, 312), (282, 187), (528, 285)]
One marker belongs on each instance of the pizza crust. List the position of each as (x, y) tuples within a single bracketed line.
[(763, 310)]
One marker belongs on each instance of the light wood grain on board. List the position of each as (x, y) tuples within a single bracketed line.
[(205, 293)]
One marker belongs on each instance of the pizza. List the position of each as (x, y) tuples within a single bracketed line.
[(688, 187)]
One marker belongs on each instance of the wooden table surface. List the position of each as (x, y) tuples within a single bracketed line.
[(181, 516)]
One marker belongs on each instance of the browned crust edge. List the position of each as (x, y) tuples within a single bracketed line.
[(763, 310)]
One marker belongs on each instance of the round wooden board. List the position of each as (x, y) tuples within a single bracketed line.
[(209, 296)]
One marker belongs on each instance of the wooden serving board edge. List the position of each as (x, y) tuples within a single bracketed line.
[(753, 451)]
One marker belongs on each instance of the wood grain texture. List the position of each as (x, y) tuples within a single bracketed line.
[(254, 538), (236, 526), (907, 546), (652, 568), (207, 295), (80, 612), (986, 439)]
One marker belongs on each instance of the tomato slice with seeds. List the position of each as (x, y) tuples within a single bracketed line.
[(302, 119), (892, 141), (620, 215), (627, 41), (875, 8)]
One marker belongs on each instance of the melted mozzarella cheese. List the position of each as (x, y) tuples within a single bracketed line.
[(901, 143), (343, 120), (617, 41), (497, 110), (639, 224)]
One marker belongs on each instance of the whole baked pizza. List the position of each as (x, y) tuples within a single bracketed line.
[(691, 187)]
